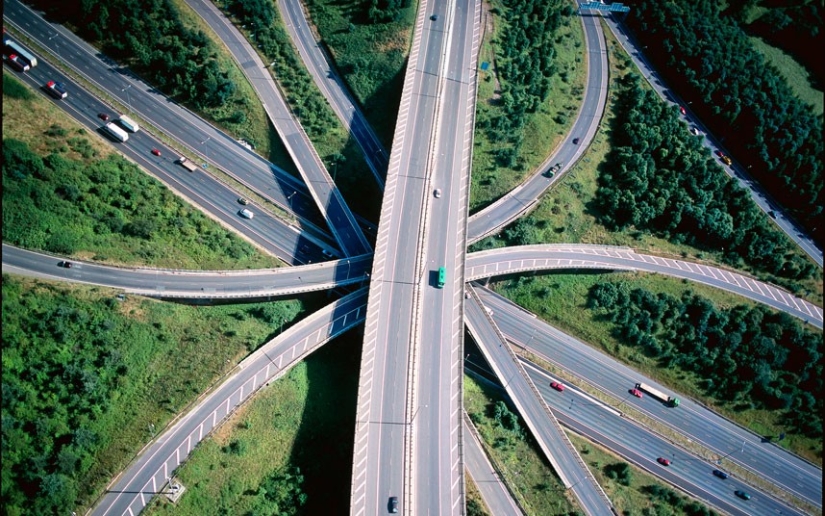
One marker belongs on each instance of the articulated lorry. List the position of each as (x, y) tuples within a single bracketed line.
[(659, 395), (12, 47), (116, 132)]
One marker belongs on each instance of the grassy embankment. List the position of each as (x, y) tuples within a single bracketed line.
[(86, 201), (545, 128), (371, 57), (306, 420), (796, 74), (518, 459), (169, 353)]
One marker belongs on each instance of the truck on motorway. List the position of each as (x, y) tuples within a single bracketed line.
[(442, 277), (659, 395), (56, 89), (12, 47), (187, 164), (129, 124), (116, 132), (18, 64)]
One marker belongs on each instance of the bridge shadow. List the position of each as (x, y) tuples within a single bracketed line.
[(324, 443)]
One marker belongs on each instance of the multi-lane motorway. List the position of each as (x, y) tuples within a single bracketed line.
[(694, 421), (440, 168)]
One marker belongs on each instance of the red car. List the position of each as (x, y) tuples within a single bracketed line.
[(556, 385), (636, 392), (156, 152), (682, 110), (663, 461), (103, 116)]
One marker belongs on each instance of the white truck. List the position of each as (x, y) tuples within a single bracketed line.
[(12, 47), (116, 132), (129, 124)]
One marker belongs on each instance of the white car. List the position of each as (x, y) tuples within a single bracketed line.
[(245, 213), (695, 131)]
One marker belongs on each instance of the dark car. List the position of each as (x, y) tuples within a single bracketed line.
[(558, 386), (575, 141), (743, 494), (663, 461), (65, 265), (393, 505), (103, 116), (721, 474), (434, 17)]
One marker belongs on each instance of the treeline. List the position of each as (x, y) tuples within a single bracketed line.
[(150, 37), (61, 364), (383, 11), (526, 65), (711, 63), (749, 356), (659, 178), (63, 206)]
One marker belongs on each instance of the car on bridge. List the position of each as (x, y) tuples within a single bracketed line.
[(558, 386)]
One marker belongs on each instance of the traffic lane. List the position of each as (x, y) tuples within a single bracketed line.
[(181, 284), (591, 418), (184, 127), (616, 378), (200, 189), (493, 490)]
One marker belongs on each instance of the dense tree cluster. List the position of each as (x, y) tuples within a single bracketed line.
[(150, 37), (280, 493), (710, 62), (526, 65), (382, 11), (61, 362), (751, 356), (61, 205), (657, 177)]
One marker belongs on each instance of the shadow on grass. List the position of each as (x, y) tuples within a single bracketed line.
[(324, 442)]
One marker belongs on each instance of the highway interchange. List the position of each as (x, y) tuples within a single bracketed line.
[(85, 109)]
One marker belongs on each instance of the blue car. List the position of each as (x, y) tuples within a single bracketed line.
[(721, 474)]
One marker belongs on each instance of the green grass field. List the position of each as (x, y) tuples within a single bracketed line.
[(306, 419), (172, 353), (543, 133), (519, 460), (793, 72)]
